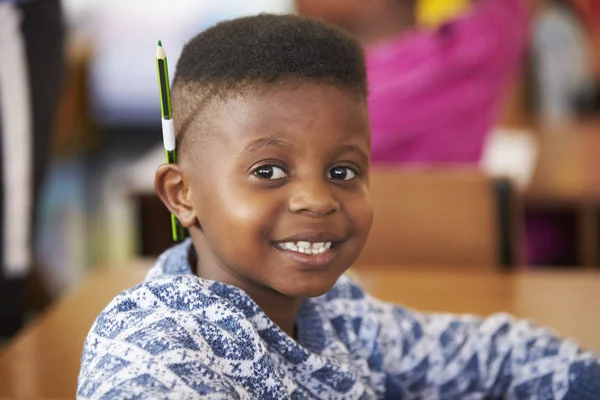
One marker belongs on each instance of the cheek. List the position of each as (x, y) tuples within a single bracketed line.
[(360, 212), (240, 216)]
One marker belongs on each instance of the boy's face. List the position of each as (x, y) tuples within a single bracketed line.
[(280, 188)]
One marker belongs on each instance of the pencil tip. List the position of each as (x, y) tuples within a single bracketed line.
[(160, 43)]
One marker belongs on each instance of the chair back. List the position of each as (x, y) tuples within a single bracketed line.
[(441, 217)]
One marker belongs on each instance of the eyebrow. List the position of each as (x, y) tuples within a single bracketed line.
[(351, 148), (261, 143)]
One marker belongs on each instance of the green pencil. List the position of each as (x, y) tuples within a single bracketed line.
[(168, 129)]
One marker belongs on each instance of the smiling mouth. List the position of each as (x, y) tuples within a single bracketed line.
[(303, 247)]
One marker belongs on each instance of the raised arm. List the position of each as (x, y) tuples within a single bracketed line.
[(489, 40), (423, 80)]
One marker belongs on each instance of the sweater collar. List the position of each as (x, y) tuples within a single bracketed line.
[(310, 324), (311, 357)]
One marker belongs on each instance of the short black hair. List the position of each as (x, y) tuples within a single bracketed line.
[(233, 56)]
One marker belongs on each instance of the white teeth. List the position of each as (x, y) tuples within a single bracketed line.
[(306, 247), (317, 246)]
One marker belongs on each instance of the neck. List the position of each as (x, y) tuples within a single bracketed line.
[(391, 22), (282, 310)]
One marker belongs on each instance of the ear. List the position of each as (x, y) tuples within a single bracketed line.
[(175, 194)]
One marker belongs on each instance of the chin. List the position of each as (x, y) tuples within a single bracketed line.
[(310, 287)]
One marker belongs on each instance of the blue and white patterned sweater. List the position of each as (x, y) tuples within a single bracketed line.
[(177, 336)]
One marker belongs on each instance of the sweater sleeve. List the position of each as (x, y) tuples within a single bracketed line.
[(499, 356)]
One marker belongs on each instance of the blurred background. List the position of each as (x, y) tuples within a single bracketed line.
[(525, 196)]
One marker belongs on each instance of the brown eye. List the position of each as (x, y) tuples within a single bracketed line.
[(269, 172), (341, 173)]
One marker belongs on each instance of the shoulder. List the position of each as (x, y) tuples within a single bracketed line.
[(171, 330), (169, 303)]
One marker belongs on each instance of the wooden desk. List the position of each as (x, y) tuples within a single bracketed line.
[(43, 361)]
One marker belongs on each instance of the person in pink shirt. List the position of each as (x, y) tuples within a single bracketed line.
[(434, 94)]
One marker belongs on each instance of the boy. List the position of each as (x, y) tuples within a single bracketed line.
[(272, 184)]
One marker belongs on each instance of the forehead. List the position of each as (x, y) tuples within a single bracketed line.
[(293, 111)]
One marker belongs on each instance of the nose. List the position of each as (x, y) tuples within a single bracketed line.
[(313, 197)]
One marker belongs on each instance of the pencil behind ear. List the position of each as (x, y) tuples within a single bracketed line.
[(170, 187)]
